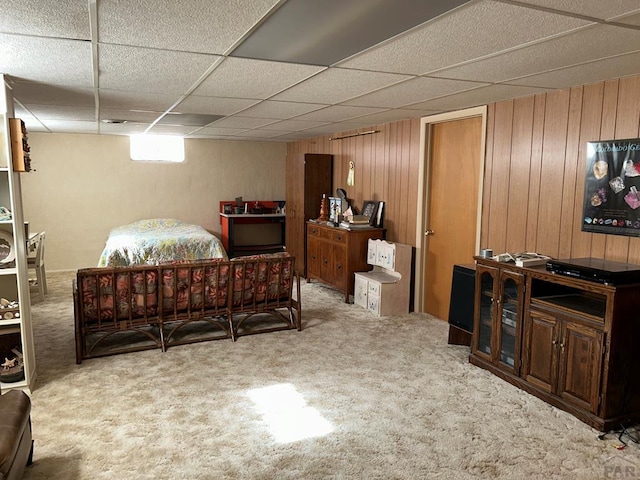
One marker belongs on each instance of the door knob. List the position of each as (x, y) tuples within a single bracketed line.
[(429, 232)]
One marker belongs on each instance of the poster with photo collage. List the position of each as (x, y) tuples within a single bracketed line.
[(612, 188)]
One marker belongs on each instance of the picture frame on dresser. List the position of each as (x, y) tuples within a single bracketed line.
[(369, 208)]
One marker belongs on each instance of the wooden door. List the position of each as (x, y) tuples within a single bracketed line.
[(540, 353), (580, 365), (452, 207), (295, 224)]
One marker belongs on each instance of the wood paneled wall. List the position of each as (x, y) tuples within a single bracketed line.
[(534, 170), (386, 169)]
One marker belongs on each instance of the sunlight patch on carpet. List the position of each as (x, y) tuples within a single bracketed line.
[(287, 414)]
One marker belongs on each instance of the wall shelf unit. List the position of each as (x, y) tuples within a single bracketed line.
[(16, 333)]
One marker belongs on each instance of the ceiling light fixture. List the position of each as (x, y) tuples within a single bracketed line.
[(113, 120)]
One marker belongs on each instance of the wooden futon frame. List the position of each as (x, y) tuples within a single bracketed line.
[(127, 309)]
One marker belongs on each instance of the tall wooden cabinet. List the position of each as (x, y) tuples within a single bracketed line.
[(16, 335), (308, 177), (570, 342)]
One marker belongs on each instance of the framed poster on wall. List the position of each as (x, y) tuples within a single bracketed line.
[(612, 188)]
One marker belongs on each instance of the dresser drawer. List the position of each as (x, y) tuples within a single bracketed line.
[(339, 237), (313, 231), (325, 233)]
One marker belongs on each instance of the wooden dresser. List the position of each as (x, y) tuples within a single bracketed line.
[(335, 254)]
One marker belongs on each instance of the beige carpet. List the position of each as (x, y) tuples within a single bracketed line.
[(394, 400)]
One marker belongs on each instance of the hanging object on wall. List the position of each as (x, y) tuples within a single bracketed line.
[(351, 174)]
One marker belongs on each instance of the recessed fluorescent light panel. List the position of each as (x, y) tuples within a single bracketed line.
[(157, 148), (323, 32)]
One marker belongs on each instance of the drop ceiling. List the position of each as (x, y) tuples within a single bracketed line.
[(285, 70)]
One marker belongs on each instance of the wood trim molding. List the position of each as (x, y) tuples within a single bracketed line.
[(423, 194)]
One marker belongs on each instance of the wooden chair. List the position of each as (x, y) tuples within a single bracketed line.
[(36, 263)]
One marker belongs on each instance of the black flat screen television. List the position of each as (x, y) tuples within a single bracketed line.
[(612, 188)]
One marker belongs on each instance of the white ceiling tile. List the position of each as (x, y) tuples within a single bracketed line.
[(335, 85), (589, 8), (580, 46), (292, 125), (210, 26), (37, 17), (68, 126), (280, 110), (218, 131), (46, 60), (258, 133), (56, 112), (591, 72), (130, 116), (474, 30), (478, 96), (409, 92), (151, 70), (335, 128), (394, 115), (135, 100), (244, 78), (214, 105), (633, 20), (338, 113), (243, 122), (29, 93), (171, 129), (129, 128)]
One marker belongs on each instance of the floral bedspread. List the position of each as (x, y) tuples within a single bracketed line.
[(159, 240)]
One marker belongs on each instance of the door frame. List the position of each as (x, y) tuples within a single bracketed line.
[(424, 172)]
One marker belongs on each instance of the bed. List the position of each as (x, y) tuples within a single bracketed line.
[(159, 240)]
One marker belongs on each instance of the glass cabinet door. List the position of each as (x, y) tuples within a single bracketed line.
[(511, 301), (487, 305)]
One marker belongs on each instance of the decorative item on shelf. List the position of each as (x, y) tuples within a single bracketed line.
[(335, 209), (324, 209), (379, 217), (19, 147), (12, 367), (7, 249), (369, 208), (5, 213)]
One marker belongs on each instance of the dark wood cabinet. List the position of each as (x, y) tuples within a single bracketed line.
[(308, 177), (335, 254), (574, 341)]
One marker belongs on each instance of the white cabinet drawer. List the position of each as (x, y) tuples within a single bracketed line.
[(360, 291), (374, 287), (373, 303)]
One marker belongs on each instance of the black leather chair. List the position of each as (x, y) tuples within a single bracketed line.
[(16, 443)]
